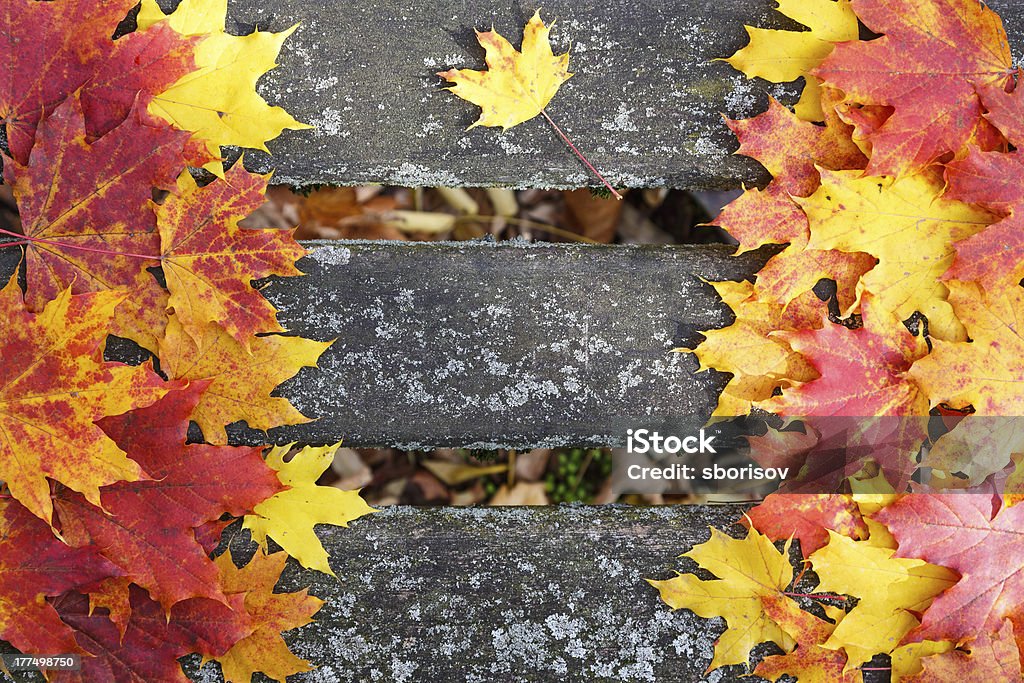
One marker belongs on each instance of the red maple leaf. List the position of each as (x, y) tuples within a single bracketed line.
[(153, 639), (808, 518), (862, 370), (986, 547), (53, 49), (927, 66), (35, 565), (992, 179), (191, 485), (86, 206)]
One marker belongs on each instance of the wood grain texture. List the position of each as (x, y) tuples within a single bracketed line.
[(645, 103)]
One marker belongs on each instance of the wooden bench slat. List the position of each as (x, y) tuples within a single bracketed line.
[(505, 595), (500, 345), (644, 103), (497, 345)]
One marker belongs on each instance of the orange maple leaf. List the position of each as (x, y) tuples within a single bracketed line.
[(272, 613), (809, 661), (240, 381)]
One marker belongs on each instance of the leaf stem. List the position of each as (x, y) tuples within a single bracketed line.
[(26, 238), (580, 155)]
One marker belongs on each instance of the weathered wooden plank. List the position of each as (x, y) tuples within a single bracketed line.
[(644, 103), (491, 345), (505, 594)]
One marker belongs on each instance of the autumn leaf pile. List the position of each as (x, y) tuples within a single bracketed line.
[(108, 514), (890, 316)]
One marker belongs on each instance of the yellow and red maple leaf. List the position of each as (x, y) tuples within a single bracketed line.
[(218, 100), (271, 613), (972, 536), (209, 262), (928, 65), (35, 565), (809, 662), (54, 385), (758, 363), (791, 150), (516, 85), (84, 206), (189, 486), (991, 656)]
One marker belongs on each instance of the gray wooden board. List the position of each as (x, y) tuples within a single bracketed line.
[(505, 595), (497, 345), (492, 345), (644, 103)]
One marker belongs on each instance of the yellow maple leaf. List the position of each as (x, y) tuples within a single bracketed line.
[(908, 227), (240, 380), (758, 363), (218, 101), (271, 613), (986, 372), (517, 85), (288, 517), (784, 56), (889, 590), (752, 572)]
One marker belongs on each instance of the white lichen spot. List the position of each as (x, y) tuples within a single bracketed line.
[(622, 121)]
